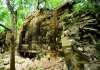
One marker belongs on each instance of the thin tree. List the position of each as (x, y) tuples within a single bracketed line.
[(13, 38)]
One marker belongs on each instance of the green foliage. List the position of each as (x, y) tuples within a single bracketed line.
[(83, 6), (22, 7), (4, 17), (52, 4)]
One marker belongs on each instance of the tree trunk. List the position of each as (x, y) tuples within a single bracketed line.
[(13, 37), (13, 42)]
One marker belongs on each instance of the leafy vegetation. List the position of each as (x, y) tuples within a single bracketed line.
[(84, 6)]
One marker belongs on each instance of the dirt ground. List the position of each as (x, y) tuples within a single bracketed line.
[(30, 64)]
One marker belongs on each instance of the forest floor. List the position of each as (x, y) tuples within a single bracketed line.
[(30, 64)]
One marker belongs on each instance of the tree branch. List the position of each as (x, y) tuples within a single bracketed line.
[(9, 6), (5, 27)]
